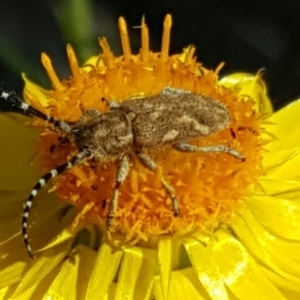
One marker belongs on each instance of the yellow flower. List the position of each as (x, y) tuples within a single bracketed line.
[(238, 237)]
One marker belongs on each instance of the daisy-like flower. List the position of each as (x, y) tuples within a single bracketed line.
[(238, 236)]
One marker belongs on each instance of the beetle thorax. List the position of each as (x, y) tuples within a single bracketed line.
[(107, 135)]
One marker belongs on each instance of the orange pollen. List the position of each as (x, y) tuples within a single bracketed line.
[(209, 186)]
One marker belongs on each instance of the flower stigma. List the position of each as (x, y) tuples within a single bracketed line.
[(210, 187)]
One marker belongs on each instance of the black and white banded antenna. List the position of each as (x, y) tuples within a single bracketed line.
[(15, 101), (77, 159), (19, 106)]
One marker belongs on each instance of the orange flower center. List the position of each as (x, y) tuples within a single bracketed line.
[(209, 186)]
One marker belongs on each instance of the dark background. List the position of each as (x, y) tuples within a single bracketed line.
[(247, 35)]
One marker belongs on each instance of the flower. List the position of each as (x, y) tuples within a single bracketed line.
[(238, 236)]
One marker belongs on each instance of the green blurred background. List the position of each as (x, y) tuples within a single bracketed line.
[(247, 35)]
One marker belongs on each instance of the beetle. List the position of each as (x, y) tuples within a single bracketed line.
[(173, 117)]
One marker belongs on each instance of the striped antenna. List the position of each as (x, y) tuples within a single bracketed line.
[(77, 159), (15, 101)]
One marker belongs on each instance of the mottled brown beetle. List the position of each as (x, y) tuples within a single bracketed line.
[(173, 118)]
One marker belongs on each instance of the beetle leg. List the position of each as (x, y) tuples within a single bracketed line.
[(216, 148), (151, 165), (122, 172)]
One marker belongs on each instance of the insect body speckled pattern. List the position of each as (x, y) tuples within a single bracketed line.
[(173, 117)]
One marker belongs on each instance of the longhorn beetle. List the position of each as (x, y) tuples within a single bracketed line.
[(173, 117)]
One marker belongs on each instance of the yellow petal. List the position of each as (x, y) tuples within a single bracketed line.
[(3, 292), (71, 281), (105, 268), (286, 129), (13, 261), (39, 275), (286, 282), (184, 285), (11, 208), (36, 96), (253, 86), (47, 231), (283, 165), (273, 161), (45, 208), (279, 255), (165, 256), (278, 215), (288, 294), (283, 154), (225, 264), (16, 172), (169, 259), (203, 263), (136, 274), (283, 189)]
